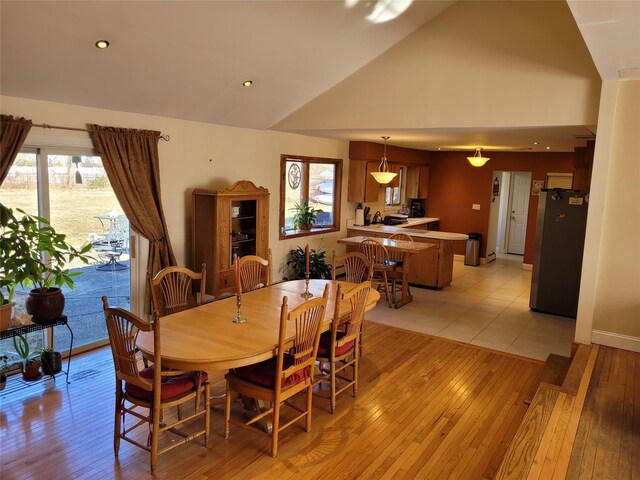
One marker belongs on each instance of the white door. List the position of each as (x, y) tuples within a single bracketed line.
[(521, 186)]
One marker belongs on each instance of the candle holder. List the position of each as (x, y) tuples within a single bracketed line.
[(238, 318), (306, 294)]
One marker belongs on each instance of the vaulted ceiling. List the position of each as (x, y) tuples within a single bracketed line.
[(188, 59)]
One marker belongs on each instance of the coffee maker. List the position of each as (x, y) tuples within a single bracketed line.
[(416, 208)]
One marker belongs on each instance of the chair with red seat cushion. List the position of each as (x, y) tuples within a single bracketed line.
[(255, 272), (173, 289), (151, 388), (278, 379), (339, 347)]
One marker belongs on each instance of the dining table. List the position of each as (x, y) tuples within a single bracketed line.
[(205, 338), (404, 247)]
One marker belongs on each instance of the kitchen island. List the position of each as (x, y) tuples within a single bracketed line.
[(431, 268)]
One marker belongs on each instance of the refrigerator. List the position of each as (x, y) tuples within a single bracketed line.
[(557, 261)]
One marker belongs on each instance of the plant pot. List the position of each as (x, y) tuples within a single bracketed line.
[(45, 307), (306, 226), (32, 370), (51, 363), (6, 315)]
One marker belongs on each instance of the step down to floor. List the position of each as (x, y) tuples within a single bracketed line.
[(554, 372)]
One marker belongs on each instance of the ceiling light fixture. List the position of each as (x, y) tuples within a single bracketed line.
[(536, 143), (478, 160), (548, 148), (102, 44), (383, 175), (247, 83)]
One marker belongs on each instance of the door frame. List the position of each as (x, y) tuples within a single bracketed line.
[(507, 212)]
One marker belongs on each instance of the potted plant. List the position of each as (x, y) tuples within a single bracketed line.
[(35, 254), (318, 266), (30, 361), (51, 361), (305, 215), (4, 367)]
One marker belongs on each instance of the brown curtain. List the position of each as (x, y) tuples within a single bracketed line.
[(13, 132), (130, 158)]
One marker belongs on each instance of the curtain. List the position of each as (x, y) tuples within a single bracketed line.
[(13, 132), (130, 158)]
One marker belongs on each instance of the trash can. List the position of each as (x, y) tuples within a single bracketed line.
[(472, 252)]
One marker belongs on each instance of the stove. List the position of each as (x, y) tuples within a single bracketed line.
[(395, 219)]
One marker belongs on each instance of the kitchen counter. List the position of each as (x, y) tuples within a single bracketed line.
[(433, 267)]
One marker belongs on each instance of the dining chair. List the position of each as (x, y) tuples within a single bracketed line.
[(339, 347), (255, 271), (357, 267), (290, 372), (378, 255), (151, 389), (399, 259), (173, 289)]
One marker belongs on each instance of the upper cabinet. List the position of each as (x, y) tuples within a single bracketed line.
[(417, 181), (362, 186)]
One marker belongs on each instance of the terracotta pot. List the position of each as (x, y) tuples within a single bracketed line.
[(6, 315), (306, 226), (45, 307), (32, 370)]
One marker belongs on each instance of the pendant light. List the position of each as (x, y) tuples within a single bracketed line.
[(383, 175), (478, 160)]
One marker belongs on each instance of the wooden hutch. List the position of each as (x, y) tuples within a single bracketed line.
[(231, 220)]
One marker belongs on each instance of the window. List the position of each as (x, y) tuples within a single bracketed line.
[(559, 180), (314, 180), (392, 192)]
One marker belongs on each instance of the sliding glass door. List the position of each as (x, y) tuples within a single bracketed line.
[(71, 190)]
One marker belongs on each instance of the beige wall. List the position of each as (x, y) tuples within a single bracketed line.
[(478, 64), (616, 303), (237, 154)]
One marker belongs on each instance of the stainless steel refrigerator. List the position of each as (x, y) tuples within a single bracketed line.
[(557, 261)]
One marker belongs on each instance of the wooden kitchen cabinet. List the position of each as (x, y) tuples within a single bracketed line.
[(227, 221), (417, 185), (362, 187)]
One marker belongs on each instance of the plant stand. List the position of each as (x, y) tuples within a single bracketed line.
[(34, 327)]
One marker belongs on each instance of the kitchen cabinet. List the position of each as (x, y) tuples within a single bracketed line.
[(232, 220), (362, 187), (417, 185)]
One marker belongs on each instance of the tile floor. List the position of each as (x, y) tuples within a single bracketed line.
[(486, 305)]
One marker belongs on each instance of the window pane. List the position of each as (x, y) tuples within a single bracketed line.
[(20, 188), (321, 191), (293, 191)]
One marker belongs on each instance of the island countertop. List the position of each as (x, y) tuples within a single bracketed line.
[(406, 228)]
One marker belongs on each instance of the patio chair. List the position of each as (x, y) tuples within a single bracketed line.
[(112, 244)]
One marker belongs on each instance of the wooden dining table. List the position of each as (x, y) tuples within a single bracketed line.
[(204, 338), (404, 247)]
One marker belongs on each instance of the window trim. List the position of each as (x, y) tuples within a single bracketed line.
[(337, 197)]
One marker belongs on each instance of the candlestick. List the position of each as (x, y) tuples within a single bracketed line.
[(238, 318), (238, 285), (306, 294)]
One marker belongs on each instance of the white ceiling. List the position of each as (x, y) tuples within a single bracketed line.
[(188, 59)]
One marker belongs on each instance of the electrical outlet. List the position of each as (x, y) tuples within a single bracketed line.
[(475, 206)]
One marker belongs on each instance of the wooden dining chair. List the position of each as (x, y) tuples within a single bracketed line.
[(399, 259), (378, 255), (150, 389), (338, 348), (291, 371), (357, 267), (174, 289), (255, 271)]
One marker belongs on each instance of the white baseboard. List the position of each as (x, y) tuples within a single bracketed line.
[(616, 340), (527, 266)]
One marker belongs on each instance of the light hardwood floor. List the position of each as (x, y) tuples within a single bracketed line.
[(426, 408)]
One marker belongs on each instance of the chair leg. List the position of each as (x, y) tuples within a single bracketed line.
[(117, 424), (227, 411), (360, 343), (386, 289), (155, 412), (355, 372), (276, 428), (309, 400), (332, 366), (207, 413)]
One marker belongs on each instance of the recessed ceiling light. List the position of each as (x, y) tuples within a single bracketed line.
[(247, 83), (102, 44), (536, 143), (548, 148), (439, 148)]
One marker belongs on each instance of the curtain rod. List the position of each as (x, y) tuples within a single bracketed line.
[(166, 138)]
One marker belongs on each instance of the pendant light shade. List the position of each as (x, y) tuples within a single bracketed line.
[(383, 175), (478, 160)]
